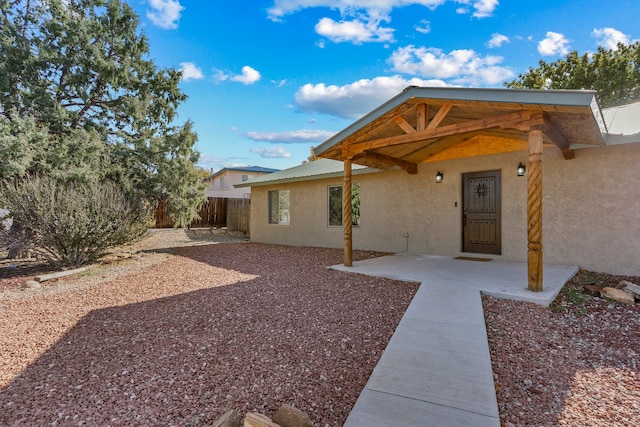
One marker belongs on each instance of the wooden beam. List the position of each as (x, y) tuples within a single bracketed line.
[(379, 124), (480, 145), (411, 168), (534, 211), (347, 214), (422, 117), (510, 119), (404, 125), (536, 120), (554, 134), (440, 115)]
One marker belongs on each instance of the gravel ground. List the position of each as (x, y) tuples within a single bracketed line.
[(177, 342), (177, 336), (576, 363)]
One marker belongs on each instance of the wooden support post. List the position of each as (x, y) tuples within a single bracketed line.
[(421, 117), (347, 214), (534, 211)]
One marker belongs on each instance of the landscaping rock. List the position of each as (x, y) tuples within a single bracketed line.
[(617, 295), (288, 416), (109, 259), (253, 419), (59, 274), (592, 290), (228, 419), (631, 288), (31, 284)]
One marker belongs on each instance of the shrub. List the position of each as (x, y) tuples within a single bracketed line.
[(71, 223)]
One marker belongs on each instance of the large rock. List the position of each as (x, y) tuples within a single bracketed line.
[(631, 288), (228, 419), (288, 416), (617, 295), (31, 284), (253, 419), (592, 290)]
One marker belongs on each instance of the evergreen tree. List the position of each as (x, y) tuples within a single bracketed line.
[(614, 73), (81, 101)]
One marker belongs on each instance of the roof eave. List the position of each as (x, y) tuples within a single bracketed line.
[(575, 98), (330, 175)]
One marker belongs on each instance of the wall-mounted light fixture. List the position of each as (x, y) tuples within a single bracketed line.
[(521, 169), (439, 177)]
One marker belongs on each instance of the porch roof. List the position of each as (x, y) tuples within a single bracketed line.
[(429, 124)]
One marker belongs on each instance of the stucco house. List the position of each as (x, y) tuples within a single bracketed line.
[(222, 183), (518, 175)]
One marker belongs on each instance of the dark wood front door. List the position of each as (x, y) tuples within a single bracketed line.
[(481, 212)]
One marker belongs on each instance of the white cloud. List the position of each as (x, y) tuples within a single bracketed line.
[(165, 13), (292, 137), (248, 76), (497, 40), (211, 163), (271, 152), (553, 44), (424, 27), (354, 100), (356, 31), (190, 71), (362, 20), (609, 37), (464, 66), (280, 8), (484, 8)]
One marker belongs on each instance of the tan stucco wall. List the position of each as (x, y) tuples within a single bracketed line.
[(591, 209)]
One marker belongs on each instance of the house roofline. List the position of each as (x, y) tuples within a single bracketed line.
[(580, 98)]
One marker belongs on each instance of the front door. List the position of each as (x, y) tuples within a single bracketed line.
[(481, 212)]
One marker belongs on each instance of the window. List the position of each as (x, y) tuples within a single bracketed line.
[(279, 207), (245, 178), (335, 205), (222, 182)]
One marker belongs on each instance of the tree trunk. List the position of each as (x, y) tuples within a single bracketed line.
[(18, 236)]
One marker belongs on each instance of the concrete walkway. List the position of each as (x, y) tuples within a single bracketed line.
[(436, 369)]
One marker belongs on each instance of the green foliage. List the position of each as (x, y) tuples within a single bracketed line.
[(71, 223), (355, 204), (614, 73), (335, 205), (80, 101), (574, 296), (21, 142), (28, 148)]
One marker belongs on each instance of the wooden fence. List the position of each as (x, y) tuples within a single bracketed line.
[(238, 214), (215, 212)]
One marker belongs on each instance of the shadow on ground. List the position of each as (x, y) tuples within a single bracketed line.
[(264, 325)]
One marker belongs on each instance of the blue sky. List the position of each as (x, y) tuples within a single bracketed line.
[(267, 80)]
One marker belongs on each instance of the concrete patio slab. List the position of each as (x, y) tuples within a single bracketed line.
[(436, 369)]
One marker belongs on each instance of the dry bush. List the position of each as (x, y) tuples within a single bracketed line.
[(69, 224)]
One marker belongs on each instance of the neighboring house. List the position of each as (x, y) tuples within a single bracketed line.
[(221, 184), (437, 170)]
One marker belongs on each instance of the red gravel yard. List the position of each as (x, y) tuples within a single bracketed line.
[(179, 336), (224, 326)]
